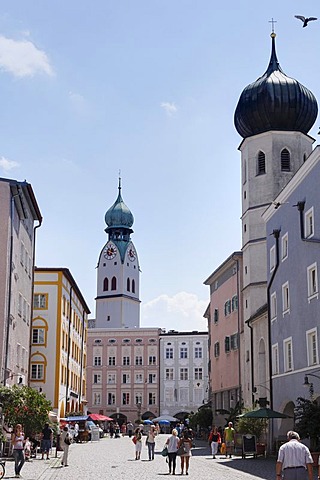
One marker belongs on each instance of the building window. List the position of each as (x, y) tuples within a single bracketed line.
[(312, 347), (169, 373), (227, 308), (285, 298), (111, 377), (309, 223), (183, 374), (234, 341), (126, 378), (138, 378), (284, 247), (152, 378), (234, 303), (273, 306), (40, 301), (197, 352), (288, 358), (198, 373), (105, 285), (272, 258), (133, 288), (37, 371), (216, 315), (125, 398), (139, 360), (261, 163), (152, 360), (97, 378), (114, 283), (151, 398), (285, 160), (169, 352), (183, 352), (216, 349), (312, 273), (38, 336), (128, 284), (125, 360), (111, 398), (112, 361), (227, 344), (275, 360), (97, 361)]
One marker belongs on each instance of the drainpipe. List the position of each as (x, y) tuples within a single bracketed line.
[(81, 359), (239, 353), (69, 342), (301, 206), (276, 234), (251, 360)]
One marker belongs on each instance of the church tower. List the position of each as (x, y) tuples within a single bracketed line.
[(273, 116), (117, 301)]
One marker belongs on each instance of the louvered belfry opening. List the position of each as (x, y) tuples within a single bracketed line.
[(285, 160), (261, 166)]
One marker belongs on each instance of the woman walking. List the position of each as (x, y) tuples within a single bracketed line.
[(172, 445), (151, 441), (17, 440), (214, 440), (138, 443), (185, 442), (65, 444)]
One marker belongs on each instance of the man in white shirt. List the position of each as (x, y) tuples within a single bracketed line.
[(294, 460)]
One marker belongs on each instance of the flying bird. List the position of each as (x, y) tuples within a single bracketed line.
[(305, 20)]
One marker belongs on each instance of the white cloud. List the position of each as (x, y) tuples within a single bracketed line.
[(7, 164), (22, 58), (169, 108), (183, 311)]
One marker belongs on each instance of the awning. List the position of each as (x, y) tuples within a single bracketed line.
[(77, 419), (96, 417)]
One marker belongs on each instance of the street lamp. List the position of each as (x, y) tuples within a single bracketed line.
[(306, 383)]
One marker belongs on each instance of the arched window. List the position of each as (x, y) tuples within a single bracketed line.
[(261, 163), (285, 160), (128, 284), (133, 286), (105, 285), (304, 157), (114, 283)]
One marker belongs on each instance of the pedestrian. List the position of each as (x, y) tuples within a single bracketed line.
[(123, 429), (46, 440), (172, 445), (65, 444), (229, 433), (130, 429), (186, 442), (17, 440), (138, 442), (214, 440), (111, 429), (294, 459), (76, 432), (27, 449), (151, 441)]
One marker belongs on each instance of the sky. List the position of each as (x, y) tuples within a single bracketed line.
[(147, 88)]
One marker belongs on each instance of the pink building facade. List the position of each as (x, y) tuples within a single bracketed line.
[(225, 327)]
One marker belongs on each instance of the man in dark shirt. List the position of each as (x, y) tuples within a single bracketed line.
[(46, 440)]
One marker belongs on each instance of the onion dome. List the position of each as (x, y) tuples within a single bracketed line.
[(275, 102), (119, 215)]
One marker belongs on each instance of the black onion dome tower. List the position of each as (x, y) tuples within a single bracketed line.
[(275, 102)]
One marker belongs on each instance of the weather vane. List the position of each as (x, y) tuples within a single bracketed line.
[(272, 22)]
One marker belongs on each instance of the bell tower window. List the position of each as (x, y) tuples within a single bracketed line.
[(285, 160), (128, 284), (114, 283), (133, 286), (261, 163), (105, 284)]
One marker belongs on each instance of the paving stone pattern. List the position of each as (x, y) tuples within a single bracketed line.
[(113, 459)]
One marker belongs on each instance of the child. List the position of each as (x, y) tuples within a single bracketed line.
[(27, 449)]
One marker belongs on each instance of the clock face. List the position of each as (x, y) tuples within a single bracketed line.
[(131, 253), (110, 251)]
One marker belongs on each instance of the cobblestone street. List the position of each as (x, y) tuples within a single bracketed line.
[(113, 459)]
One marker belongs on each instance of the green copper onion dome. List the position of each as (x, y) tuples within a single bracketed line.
[(119, 215), (275, 102)]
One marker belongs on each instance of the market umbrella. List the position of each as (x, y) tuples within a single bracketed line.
[(147, 422), (164, 422), (169, 418), (96, 417), (265, 413)]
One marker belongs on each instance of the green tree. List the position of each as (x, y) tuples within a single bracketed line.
[(307, 421), (203, 418), (251, 426), (25, 405)]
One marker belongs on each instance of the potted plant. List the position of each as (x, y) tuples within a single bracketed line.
[(253, 426), (307, 420)]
